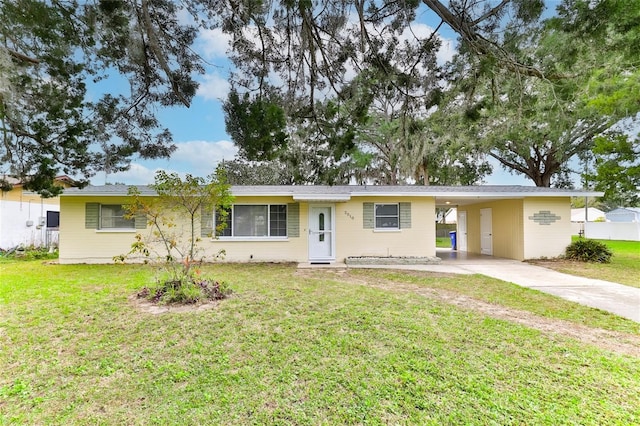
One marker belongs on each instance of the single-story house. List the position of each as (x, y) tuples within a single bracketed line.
[(591, 215), (624, 214), (336, 223), (448, 215), (26, 218), (579, 215)]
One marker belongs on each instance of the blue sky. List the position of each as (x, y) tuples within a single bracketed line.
[(199, 131)]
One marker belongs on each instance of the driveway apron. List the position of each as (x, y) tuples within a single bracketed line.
[(618, 299)]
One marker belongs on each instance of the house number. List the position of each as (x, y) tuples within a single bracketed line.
[(346, 213)]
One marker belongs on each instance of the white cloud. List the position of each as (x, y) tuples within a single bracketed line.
[(198, 158), (138, 174), (446, 51), (423, 32), (214, 87), (213, 44), (185, 17)]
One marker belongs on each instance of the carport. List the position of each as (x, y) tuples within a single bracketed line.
[(511, 222)]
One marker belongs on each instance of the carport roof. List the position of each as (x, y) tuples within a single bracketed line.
[(444, 195)]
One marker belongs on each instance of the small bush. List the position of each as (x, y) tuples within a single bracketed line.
[(589, 251), (188, 291), (215, 290), (30, 253)]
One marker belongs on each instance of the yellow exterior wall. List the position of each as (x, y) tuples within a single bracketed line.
[(516, 235), (18, 194), (546, 240), (292, 249), (507, 228), (80, 245), (353, 240)]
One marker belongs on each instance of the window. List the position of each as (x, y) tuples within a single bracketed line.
[(112, 217), (53, 219), (386, 216), (321, 225), (278, 220), (255, 220)]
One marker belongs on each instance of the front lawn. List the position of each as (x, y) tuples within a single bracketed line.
[(307, 347), (624, 267)]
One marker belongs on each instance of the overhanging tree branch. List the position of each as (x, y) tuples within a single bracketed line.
[(24, 58), (154, 45), (466, 28)]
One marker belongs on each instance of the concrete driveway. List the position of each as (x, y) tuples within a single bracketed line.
[(618, 299)]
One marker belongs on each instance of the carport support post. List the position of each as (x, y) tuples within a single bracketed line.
[(586, 217)]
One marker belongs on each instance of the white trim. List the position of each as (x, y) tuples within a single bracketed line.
[(231, 239), (101, 216), (462, 228), (332, 232), (268, 220), (116, 230), (486, 231), (375, 216), (345, 192), (328, 198)]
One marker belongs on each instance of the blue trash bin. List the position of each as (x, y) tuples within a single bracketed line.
[(454, 242)]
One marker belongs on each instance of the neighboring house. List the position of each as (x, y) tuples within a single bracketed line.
[(27, 219), (335, 223), (447, 215), (593, 215), (622, 224), (578, 219), (624, 214)]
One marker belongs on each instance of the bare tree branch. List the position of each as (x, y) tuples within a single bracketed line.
[(23, 58)]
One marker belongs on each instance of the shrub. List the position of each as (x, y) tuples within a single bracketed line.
[(586, 250), (172, 243), (190, 290), (30, 253)]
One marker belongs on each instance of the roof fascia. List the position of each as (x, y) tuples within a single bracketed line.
[(326, 197), (322, 198), (102, 194)]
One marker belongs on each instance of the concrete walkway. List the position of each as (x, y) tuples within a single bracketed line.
[(618, 299)]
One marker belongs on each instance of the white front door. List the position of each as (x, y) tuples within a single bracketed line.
[(462, 231), (486, 232), (321, 234)]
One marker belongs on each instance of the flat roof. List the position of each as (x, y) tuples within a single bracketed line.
[(445, 195)]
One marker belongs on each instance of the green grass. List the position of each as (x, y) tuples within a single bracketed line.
[(443, 242), (624, 267), (509, 295), (294, 349)]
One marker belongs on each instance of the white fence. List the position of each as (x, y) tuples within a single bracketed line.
[(629, 231), (577, 228)]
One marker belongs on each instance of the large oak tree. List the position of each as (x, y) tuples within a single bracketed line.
[(57, 115), (315, 68)]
